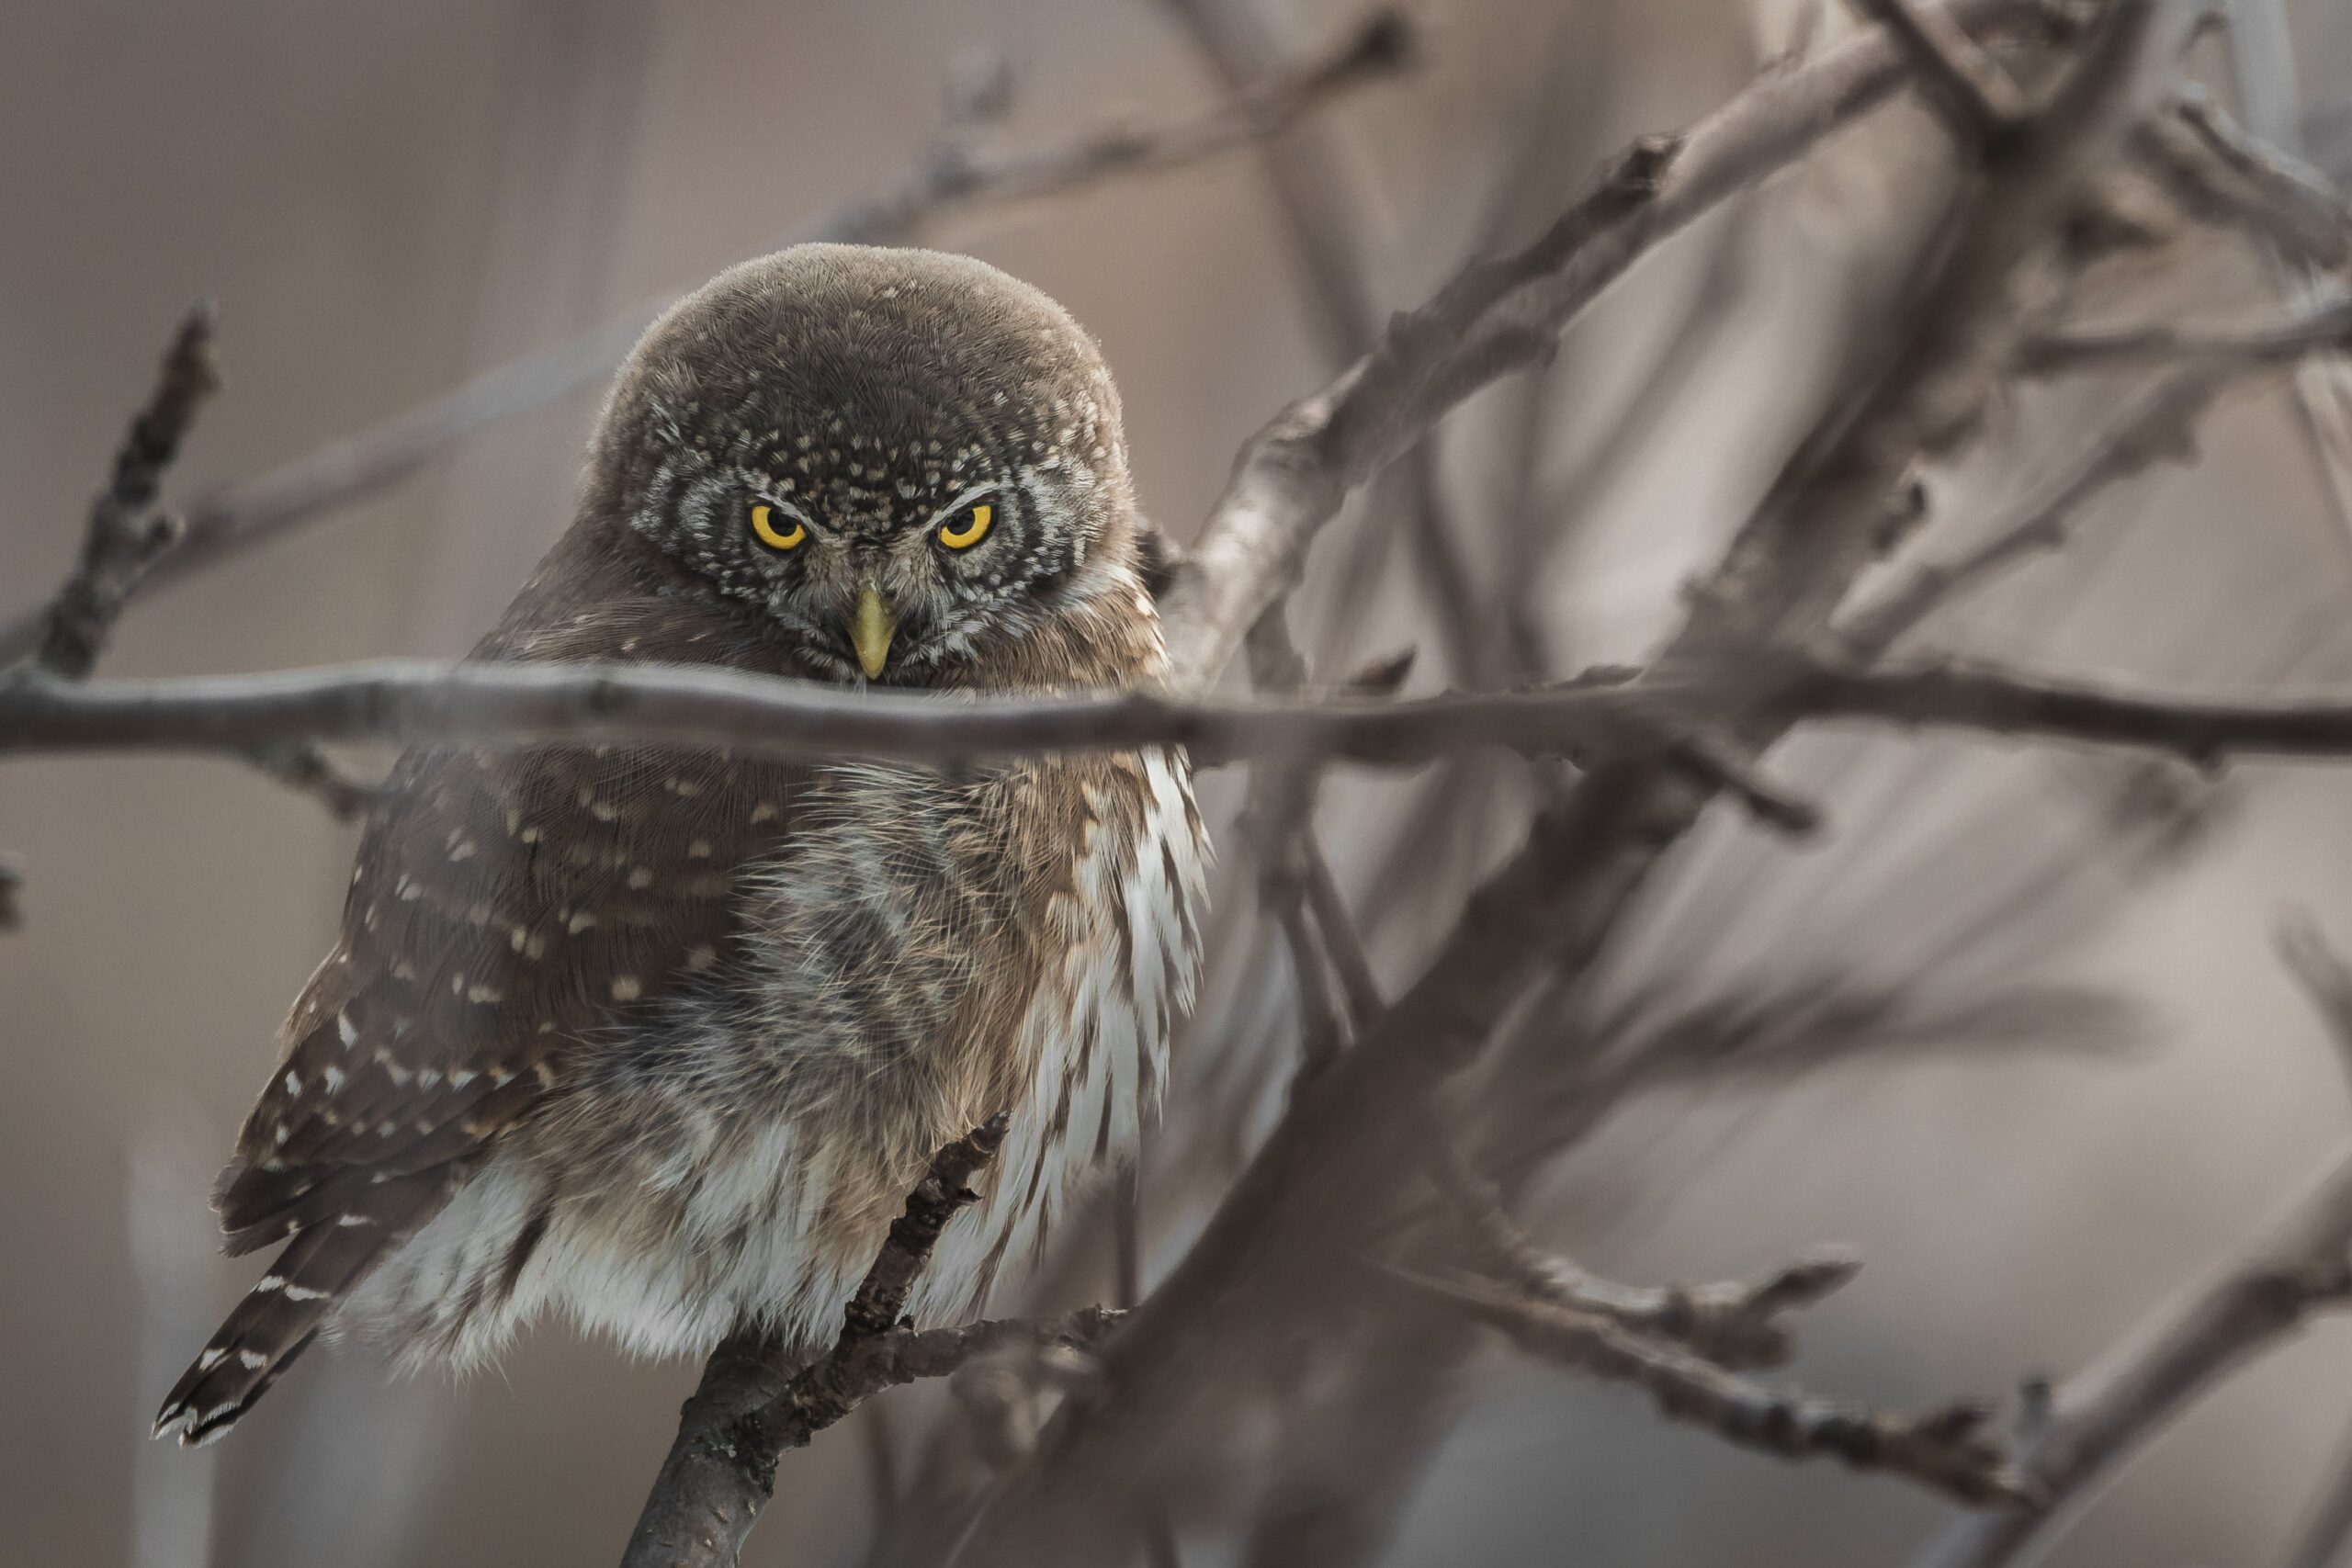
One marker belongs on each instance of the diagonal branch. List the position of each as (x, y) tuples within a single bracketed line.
[(1498, 316), (2299, 1267), (1946, 1449), (126, 536), (1331, 1163), (1961, 78), (1735, 1324), (2160, 425)]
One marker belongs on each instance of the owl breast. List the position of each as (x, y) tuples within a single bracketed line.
[(928, 951)]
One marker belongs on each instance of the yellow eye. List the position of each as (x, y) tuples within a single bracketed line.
[(967, 530), (765, 523)]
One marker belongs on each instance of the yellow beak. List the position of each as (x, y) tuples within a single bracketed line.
[(871, 631)]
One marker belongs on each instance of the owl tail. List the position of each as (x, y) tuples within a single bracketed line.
[(283, 1312)]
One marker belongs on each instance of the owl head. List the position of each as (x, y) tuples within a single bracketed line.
[(904, 461)]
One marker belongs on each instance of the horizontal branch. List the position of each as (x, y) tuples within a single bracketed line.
[(1980, 697), (406, 701), (949, 179)]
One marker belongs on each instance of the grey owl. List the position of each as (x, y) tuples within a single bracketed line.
[(658, 1040)]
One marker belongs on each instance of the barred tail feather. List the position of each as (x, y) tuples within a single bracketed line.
[(284, 1312)]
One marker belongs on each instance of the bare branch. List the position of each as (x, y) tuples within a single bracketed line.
[(1498, 316), (1947, 1449), (126, 536), (306, 768), (1981, 697), (1599, 714), (1310, 1187), (2323, 973), (1961, 78), (401, 701), (2160, 425), (2324, 331), (722, 1469), (2218, 169), (2297, 1267), (950, 179), (1735, 1324)]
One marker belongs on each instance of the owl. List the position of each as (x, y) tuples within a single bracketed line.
[(656, 1040)]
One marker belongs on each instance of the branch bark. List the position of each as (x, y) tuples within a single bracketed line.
[(1678, 717), (1947, 1449), (2297, 1267), (126, 536), (749, 1409), (1297, 1212)]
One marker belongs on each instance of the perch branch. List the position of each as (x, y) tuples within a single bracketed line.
[(722, 1469)]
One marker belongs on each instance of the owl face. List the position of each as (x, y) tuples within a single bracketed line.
[(904, 460)]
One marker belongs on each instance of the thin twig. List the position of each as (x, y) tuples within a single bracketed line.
[(2322, 330), (126, 536), (2160, 426), (1324, 1170), (1735, 1324), (1496, 317), (948, 179), (2324, 975), (1948, 1450), (2297, 1267)]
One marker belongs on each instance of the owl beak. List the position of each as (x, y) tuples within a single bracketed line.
[(871, 631)]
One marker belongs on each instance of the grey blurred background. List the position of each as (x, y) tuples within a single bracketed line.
[(384, 199)]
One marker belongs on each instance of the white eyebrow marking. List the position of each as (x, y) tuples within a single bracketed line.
[(961, 501)]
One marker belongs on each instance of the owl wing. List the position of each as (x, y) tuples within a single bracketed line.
[(509, 906), (505, 909)]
